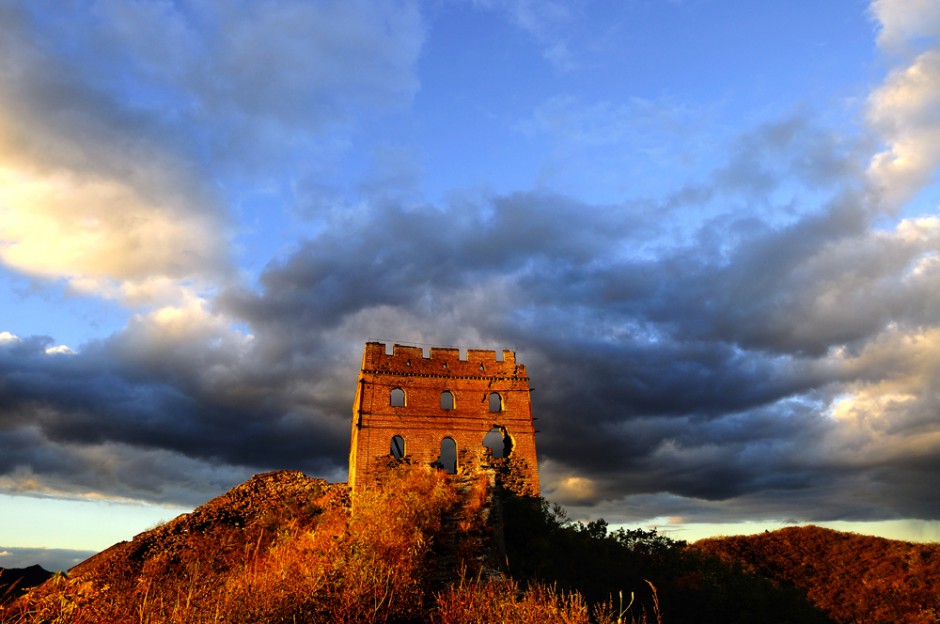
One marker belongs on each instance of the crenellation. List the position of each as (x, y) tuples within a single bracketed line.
[(481, 356), (406, 353), (445, 354), (442, 361)]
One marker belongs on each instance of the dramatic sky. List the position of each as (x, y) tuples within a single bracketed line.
[(709, 228)]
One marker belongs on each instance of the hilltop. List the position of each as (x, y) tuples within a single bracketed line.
[(425, 547), (215, 534)]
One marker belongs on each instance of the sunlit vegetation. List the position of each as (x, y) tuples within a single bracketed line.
[(416, 549), (328, 564), (429, 548), (852, 578)]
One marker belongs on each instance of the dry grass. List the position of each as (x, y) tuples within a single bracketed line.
[(380, 561), (496, 600), (499, 600), (368, 565)]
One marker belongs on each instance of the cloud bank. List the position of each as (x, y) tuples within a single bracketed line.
[(758, 341)]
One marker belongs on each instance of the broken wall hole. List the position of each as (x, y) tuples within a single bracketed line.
[(499, 442)]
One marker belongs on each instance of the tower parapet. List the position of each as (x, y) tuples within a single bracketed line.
[(443, 361)]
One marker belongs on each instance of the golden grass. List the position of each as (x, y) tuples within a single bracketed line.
[(381, 560)]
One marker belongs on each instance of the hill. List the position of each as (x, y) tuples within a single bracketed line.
[(852, 578), (216, 533), (283, 547), (15, 581), (421, 547)]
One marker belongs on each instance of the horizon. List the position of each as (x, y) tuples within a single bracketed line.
[(708, 228), (57, 558)]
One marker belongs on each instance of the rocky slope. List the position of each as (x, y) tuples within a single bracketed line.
[(251, 511)]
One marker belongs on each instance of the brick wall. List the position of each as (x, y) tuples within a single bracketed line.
[(422, 423)]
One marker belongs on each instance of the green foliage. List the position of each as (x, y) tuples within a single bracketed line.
[(545, 546)]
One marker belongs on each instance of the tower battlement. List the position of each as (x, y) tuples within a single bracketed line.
[(442, 361)]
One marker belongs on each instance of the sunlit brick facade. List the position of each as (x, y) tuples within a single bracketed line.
[(438, 409)]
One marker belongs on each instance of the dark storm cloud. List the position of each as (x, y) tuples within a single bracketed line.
[(120, 122), (106, 417), (687, 374), (758, 338), (708, 373), (791, 148), (389, 255)]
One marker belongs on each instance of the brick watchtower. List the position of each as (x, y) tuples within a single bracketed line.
[(461, 415)]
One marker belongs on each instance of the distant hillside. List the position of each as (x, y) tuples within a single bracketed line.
[(421, 548), (14, 581), (852, 578)]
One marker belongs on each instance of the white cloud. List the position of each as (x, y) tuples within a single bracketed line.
[(94, 231), (114, 157), (563, 486), (7, 338), (905, 111), (60, 350), (903, 22), (91, 191)]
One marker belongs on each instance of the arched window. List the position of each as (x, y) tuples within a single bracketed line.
[(448, 458), (447, 400), (398, 447), (397, 398), (499, 442), (496, 402)]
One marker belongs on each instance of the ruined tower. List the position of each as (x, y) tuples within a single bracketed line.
[(462, 415)]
